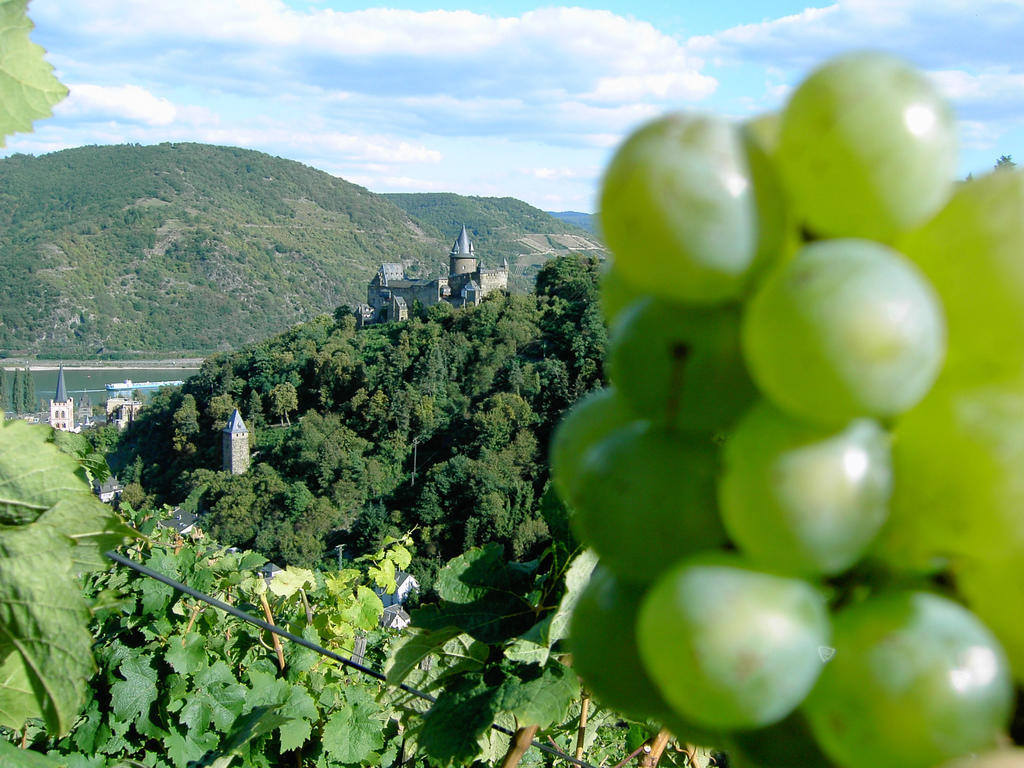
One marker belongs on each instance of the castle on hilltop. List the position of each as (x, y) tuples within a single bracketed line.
[(390, 294)]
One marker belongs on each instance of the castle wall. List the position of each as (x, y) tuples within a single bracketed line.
[(493, 280)]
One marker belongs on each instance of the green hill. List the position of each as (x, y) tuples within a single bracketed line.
[(194, 248)]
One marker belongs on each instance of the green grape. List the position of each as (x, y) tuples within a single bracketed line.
[(848, 328), (787, 744), (604, 654), (617, 293), (680, 366), (1001, 758), (764, 131), (916, 679), (644, 497), (993, 587), (797, 498), (586, 424), (971, 254), (731, 647), (957, 490), (688, 209), (867, 148)]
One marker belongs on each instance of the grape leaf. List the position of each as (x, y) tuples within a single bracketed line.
[(17, 701), (576, 578), (187, 659), (34, 474), (480, 572), (258, 722), (525, 650), (354, 731), (10, 755), (295, 706), (44, 618), (132, 697), (28, 88), (92, 526), (538, 695), (192, 746), (411, 649), (455, 722), (365, 611), (289, 581), (218, 698)]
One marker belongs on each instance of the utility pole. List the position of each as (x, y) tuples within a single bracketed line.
[(412, 478)]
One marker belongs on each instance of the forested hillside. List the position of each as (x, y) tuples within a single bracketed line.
[(191, 247), (438, 425)]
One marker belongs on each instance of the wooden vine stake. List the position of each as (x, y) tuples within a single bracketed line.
[(581, 733), (276, 639), (521, 741), (658, 744)]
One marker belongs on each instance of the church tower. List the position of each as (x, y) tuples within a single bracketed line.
[(235, 445), (62, 407), (462, 260)]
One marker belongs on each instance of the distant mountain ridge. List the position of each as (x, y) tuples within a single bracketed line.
[(587, 221), (193, 248)]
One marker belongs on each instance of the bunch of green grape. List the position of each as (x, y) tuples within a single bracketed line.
[(805, 480)]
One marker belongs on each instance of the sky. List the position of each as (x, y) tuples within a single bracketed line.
[(496, 98)]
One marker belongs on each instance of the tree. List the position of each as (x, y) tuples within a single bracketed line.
[(4, 391), (220, 409), (284, 399), (1005, 163), (28, 402), (186, 425), (18, 391), (254, 411)]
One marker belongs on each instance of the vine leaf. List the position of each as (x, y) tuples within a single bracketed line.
[(576, 579), (483, 595), (28, 88), (462, 713), (189, 657), (26, 758), (353, 733), (539, 695), (412, 648), (17, 701), (44, 618), (34, 474), (132, 697), (289, 581)]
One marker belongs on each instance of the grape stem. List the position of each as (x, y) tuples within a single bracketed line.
[(679, 354)]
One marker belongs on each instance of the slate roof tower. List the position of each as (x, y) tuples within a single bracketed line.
[(462, 259), (235, 445), (62, 407)]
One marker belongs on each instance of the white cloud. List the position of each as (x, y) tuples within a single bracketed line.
[(965, 87), (130, 103)]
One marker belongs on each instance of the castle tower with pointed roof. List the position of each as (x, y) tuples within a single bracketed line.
[(462, 260), (62, 407), (235, 445)]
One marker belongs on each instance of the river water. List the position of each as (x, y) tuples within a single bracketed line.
[(90, 383)]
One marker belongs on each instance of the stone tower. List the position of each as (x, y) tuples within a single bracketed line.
[(235, 445), (461, 258), (62, 407)]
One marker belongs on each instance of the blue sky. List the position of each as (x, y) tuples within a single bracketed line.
[(493, 98)]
